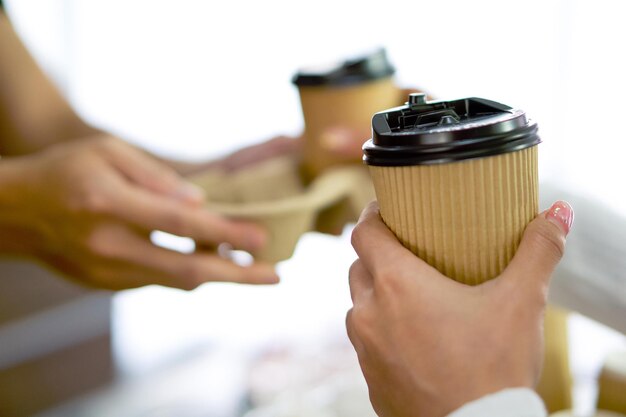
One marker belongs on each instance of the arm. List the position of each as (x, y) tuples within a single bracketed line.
[(427, 344), (33, 113)]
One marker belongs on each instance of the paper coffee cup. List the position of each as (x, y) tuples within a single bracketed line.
[(612, 383), (555, 384), (344, 95), (456, 181)]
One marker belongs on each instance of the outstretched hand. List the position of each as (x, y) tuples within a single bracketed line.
[(87, 209)]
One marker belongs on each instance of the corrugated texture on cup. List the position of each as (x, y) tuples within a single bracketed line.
[(464, 218)]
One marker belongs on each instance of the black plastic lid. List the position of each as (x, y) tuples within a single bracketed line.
[(352, 71), (430, 132)]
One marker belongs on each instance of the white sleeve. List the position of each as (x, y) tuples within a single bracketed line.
[(511, 402), (590, 279)]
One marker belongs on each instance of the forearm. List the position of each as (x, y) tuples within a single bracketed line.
[(33, 113)]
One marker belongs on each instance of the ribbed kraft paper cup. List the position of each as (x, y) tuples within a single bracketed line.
[(456, 181), (342, 95), (349, 107), (555, 383), (464, 218)]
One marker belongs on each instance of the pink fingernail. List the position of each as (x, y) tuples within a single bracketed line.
[(271, 280), (189, 192), (561, 214)]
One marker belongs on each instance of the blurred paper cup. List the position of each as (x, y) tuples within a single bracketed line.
[(338, 97), (612, 383)]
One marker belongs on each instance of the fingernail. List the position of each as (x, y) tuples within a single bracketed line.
[(336, 138), (561, 214), (189, 192), (272, 279), (257, 239)]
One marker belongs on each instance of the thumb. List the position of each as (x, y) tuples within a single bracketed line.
[(542, 246), (149, 173)]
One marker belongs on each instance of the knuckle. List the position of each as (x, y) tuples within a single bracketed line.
[(178, 223), (545, 237), (350, 325), (107, 145), (88, 196), (223, 230), (355, 269), (386, 280), (100, 243), (349, 318), (526, 302), (193, 275), (358, 235), (189, 284), (94, 201), (107, 142), (362, 322)]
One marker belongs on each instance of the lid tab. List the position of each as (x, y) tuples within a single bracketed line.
[(427, 132)]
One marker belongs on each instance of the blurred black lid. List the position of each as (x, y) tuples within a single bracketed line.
[(352, 71), (430, 132)]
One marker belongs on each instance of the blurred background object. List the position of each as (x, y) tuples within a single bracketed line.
[(55, 339), (599, 413), (612, 383), (555, 384), (152, 72)]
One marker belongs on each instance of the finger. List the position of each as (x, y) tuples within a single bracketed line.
[(383, 255), (106, 273), (361, 281), (542, 247), (151, 174), (282, 145), (122, 275), (154, 212), (352, 334), (185, 271), (345, 141)]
